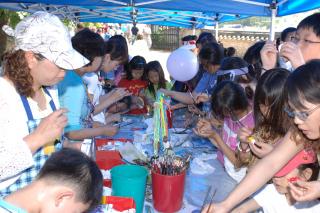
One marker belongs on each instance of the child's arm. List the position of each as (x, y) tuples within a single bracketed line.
[(268, 55), (112, 97), (259, 175), (183, 97), (178, 106), (249, 206), (92, 132), (226, 150)]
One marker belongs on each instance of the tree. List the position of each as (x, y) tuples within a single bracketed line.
[(10, 18)]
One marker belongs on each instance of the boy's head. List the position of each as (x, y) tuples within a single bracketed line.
[(303, 166), (287, 34), (74, 182), (189, 42), (91, 46), (121, 106), (116, 53), (308, 37)]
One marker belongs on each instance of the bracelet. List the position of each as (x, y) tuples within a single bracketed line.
[(241, 150)]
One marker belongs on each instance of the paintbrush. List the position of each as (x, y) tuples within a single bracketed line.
[(211, 199), (206, 198)]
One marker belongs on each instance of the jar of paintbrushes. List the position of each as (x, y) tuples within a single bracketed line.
[(168, 178)]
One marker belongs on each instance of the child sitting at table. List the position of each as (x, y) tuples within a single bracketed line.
[(136, 84), (156, 81), (276, 197), (121, 106), (69, 181), (232, 105)]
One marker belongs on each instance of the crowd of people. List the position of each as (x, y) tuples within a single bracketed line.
[(261, 112)]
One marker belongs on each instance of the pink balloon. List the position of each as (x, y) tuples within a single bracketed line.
[(182, 64)]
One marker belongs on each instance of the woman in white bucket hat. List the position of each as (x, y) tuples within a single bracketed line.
[(31, 123)]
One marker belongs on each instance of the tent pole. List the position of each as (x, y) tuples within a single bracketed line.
[(272, 22), (217, 30)]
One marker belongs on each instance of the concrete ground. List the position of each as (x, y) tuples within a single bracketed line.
[(152, 55)]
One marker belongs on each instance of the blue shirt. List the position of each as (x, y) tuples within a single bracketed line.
[(206, 83), (73, 96), (7, 207)]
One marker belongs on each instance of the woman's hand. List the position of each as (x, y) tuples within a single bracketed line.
[(243, 134), (305, 191), (269, 55), (49, 129), (292, 52), (260, 149)]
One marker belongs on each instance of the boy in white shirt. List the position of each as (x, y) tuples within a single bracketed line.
[(276, 197)]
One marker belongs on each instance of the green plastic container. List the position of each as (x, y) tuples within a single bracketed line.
[(130, 181)]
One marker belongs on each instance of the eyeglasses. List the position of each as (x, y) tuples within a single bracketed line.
[(301, 115), (306, 41)]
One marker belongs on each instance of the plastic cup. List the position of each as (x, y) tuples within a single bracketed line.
[(130, 181)]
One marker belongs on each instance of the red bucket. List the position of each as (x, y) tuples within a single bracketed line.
[(167, 191)]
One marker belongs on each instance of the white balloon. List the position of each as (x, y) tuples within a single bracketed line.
[(182, 64)]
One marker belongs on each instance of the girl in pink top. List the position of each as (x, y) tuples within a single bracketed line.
[(230, 102), (271, 121)]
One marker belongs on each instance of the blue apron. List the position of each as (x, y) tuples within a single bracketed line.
[(39, 157)]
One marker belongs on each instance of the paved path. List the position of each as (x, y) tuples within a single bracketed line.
[(151, 55)]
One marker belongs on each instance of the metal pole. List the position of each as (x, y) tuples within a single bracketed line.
[(217, 30), (272, 23)]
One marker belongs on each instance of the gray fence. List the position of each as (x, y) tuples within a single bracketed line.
[(165, 38), (168, 38)]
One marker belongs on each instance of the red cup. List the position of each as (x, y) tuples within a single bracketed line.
[(167, 191)]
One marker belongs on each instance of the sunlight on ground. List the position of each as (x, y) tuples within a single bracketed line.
[(151, 55)]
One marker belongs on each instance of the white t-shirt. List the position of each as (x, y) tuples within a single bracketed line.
[(15, 155), (273, 202), (95, 89), (236, 173)]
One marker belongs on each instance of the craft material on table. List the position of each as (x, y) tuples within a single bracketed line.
[(160, 123), (169, 165)]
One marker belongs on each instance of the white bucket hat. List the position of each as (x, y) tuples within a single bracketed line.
[(44, 33)]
